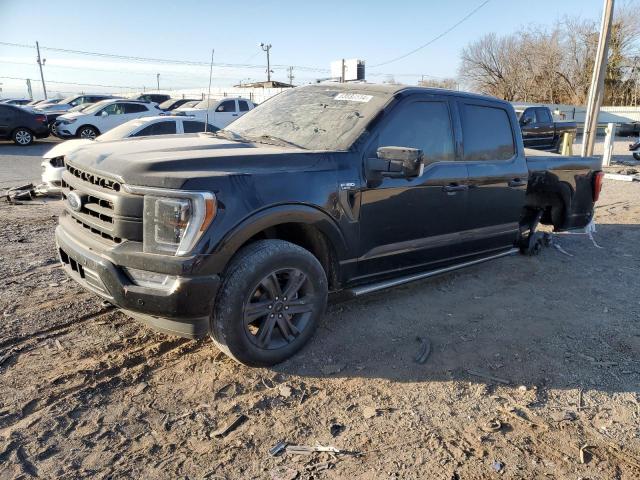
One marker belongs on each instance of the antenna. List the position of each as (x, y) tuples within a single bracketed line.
[(206, 124)]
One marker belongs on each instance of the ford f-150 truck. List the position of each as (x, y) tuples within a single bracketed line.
[(241, 234), (540, 131)]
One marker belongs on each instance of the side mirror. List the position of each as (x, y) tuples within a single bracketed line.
[(397, 162), (525, 121)]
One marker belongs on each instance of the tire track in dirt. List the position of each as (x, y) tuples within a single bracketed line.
[(52, 331), (147, 358)]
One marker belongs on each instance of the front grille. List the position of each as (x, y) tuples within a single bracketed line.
[(105, 211), (94, 179)]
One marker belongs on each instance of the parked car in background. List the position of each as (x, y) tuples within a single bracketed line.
[(53, 116), (69, 102), (190, 103), (22, 124), (15, 101), (53, 160), (221, 112), (156, 98), (102, 117), (33, 103), (174, 103), (539, 131)]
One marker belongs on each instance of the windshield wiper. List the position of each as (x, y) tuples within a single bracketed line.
[(273, 140)]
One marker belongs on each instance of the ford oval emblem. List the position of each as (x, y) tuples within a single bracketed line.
[(75, 201)]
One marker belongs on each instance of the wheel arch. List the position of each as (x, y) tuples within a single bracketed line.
[(304, 225)]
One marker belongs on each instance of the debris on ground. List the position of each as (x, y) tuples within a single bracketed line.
[(278, 448), (487, 376), (370, 412), (336, 429), (585, 454), (308, 450), (230, 427), (497, 466)]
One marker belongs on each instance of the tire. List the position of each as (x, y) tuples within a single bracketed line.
[(636, 155), (22, 136), (88, 132), (252, 321)]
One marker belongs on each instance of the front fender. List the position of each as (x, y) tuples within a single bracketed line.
[(271, 217)]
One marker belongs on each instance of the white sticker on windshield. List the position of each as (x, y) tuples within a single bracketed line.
[(353, 97)]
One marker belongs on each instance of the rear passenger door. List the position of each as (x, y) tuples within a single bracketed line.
[(164, 127), (497, 175), (7, 120), (225, 113)]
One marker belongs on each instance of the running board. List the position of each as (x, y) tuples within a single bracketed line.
[(357, 291)]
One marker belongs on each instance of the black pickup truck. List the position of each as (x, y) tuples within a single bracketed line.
[(241, 234), (540, 131)]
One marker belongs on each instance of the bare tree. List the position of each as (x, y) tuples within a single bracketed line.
[(446, 83), (555, 65)]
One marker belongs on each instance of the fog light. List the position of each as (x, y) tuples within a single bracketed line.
[(151, 279)]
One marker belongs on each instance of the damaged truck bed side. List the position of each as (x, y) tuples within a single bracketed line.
[(241, 234)]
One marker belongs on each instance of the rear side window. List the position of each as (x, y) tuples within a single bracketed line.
[(423, 125), (243, 105), (487, 133), (191, 126), (134, 108), (543, 115), (160, 128), (227, 106)]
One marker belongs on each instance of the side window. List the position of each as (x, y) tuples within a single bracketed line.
[(487, 133), (191, 126), (160, 128), (134, 108), (423, 125), (113, 109), (243, 105), (543, 116), (227, 106), (528, 116)]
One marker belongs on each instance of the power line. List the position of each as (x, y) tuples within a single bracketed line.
[(438, 37), (157, 60)]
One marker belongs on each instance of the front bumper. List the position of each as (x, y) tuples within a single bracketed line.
[(183, 311)]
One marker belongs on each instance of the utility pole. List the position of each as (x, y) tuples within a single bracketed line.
[(158, 80), (343, 72), (29, 88), (267, 48), (596, 92), (41, 63), (291, 77)]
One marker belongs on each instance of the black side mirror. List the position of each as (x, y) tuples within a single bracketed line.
[(396, 162)]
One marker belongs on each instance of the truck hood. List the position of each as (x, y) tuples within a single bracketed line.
[(170, 161)]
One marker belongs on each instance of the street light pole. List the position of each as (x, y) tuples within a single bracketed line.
[(41, 64), (267, 48), (596, 92)]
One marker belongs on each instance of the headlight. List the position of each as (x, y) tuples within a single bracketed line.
[(174, 220), (68, 122)]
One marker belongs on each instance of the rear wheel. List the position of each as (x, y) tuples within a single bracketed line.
[(88, 132), (23, 137), (270, 302)]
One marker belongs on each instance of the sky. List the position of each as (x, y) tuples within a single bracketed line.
[(305, 35)]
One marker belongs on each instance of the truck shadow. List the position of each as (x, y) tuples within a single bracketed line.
[(555, 320)]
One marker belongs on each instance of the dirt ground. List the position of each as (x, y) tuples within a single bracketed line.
[(532, 359)]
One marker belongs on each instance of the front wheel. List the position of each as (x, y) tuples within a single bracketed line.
[(269, 304), (23, 137), (87, 132), (636, 155)]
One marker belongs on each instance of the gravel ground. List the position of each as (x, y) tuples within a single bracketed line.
[(532, 359)]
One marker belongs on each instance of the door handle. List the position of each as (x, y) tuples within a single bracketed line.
[(234, 115), (517, 182), (454, 187)]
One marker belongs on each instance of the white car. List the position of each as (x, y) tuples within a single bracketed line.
[(102, 117), (221, 112), (53, 160)]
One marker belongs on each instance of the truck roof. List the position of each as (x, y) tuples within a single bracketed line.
[(394, 89)]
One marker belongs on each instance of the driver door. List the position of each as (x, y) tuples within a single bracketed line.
[(414, 223)]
